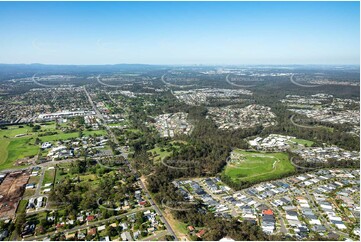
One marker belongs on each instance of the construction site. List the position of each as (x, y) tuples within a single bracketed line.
[(11, 191)]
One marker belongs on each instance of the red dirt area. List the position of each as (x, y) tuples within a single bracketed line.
[(11, 191)]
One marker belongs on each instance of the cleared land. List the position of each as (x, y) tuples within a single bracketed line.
[(11, 190), (258, 166)]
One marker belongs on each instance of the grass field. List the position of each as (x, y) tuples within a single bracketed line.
[(14, 149), (29, 192), (180, 228), (65, 136), (4, 143), (22, 206), (94, 132), (34, 179), (15, 130), (49, 176), (159, 155), (303, 142), (258, 166)]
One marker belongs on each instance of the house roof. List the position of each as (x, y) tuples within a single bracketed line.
[(267, 212), (92, 231), (201, 233)]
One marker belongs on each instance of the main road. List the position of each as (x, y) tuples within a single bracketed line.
[(115, 140)]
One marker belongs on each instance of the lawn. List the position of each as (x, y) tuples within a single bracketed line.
[(159, 155), (61, 172), (89, 179), (4, 143), (94, 132), (20, 148), (181, 227), (34, 179), (14, 149), (258, 166), (303, 142), (29, 192), (119, 124), (15, 130), (61, 136), (36, 218), (22, 206), (65, 136), (49, 176)]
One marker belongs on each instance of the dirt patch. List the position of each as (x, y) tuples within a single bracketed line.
[(11, 191), (26, 161), (173, 223)]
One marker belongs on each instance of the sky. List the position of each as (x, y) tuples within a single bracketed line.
[(180, 33)]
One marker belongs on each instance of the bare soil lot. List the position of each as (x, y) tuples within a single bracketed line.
[(11, 191)]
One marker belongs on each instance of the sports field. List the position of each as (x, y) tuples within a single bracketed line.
[(303, 142), (257, 166)]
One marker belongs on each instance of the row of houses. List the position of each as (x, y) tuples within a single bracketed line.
[(36, 202), (272, 142), (64, 114), (68, 148), (325, 154)]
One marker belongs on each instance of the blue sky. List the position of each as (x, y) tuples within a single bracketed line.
[(180, 32)]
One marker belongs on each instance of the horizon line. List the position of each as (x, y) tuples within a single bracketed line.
[(195, 64)]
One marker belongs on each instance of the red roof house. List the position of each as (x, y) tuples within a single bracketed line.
[(267, 212), (201, 233), (92, 231)]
